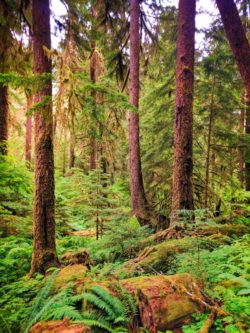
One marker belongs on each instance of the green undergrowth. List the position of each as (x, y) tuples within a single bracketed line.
[(215, 251)]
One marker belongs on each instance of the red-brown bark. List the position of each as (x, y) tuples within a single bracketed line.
[(240, 47), (44, 252), (209, 138), (241, 149), (28, 132), (5, 44), (138, 198), (4, 113), (93, 78), (71, 154), (182, 197)]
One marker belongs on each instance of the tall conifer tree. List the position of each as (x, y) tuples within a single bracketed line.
[(182, 197), (240, 47), (44, 253), (138, 198)]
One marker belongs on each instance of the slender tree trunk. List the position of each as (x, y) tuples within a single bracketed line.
[(182, 197), (93, 77), (240, 47), (241, 149), (138, 198), (211, 116), (72, 135), (44, 252), (242, 116), (64, 152), (71, 153), (4, 114), (5, 44), (28, 132)]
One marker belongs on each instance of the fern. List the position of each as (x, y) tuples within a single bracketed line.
[(40, 300), (5, 324), (127, 300), (114, 302), (100, 304), (96, 323), (59, 312)]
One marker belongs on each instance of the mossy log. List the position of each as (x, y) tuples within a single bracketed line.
[(165, 302), (62, 326)]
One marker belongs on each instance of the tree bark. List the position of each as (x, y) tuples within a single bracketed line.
[(44, 252), (28, 138), (72, 153), (241, 141), (240, 47), (138, 198), (93, 78), (211, 116), (72, 135), (182, 196), (5, 44), (4, 114)]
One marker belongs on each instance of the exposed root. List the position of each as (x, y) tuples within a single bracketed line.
[(208, 323)]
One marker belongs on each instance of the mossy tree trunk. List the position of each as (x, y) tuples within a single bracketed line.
[(182, 196), (28, 136), (4, 114), (209, 139), (138, 197), (93, 78), (72, 134), (5, 44), (236, 36), (44, 252)]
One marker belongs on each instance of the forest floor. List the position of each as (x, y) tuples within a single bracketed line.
[(192, 279)]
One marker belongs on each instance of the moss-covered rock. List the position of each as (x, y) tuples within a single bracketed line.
[(229, 229), (70, 274), (80, 256), (63, 326)]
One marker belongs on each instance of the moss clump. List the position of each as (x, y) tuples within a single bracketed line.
[(70, 274)]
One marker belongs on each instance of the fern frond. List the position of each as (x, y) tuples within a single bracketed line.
[(95, 323), (8, 330), (36, 318), (60, 312), (127, 300), (40, 300), (116, 305), (100, 304), (94, 315)]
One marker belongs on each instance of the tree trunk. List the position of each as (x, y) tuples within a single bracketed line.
[(4, 114), (72, 135), (44, 252), (241, 141), (211, 116), (93, 78), (71, 153), (28, 132), (182, 197), (240, 47), (138, 198), (6, 42)]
